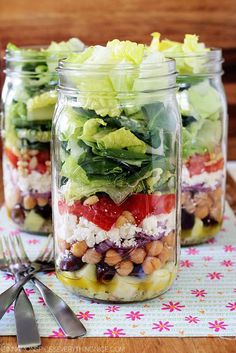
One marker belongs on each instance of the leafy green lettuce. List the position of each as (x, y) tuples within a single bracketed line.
[(190, 56), (111, 77), (116, 155)]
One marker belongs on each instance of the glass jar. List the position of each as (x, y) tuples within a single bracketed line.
[(203, 109), (29, 96), (116, 164)]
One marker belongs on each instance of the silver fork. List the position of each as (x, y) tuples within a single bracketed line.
[(26, 326), (62, 313), (10, 295)]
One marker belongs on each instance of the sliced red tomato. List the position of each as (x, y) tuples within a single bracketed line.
[(43, 156), (141, 205), (104, 213), (41, 168), (214, 167), (11, 156), (198, 164)]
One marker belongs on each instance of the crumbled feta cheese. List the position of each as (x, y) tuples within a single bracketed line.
[(208, 179), (163, 223), (35, 181), (65, 225), (127, 231), (71, 230)]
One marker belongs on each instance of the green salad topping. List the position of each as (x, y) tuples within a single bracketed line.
[(199, 101), (106, 144), (30, 106)]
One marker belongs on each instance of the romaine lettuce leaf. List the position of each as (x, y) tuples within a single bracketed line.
[(42, 100), (126, 50), (77, 190), (91, 128), (191, 55), (204, 99), (122, 138), (107, 90), (71, 124), (72, 170)]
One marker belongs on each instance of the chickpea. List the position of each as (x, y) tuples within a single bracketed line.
[(121, 221), (79, 248), (201, 211), (170, 239), (29, 202), (154, 248), (217, 194), (63, 245), (124, 268), (151, 264), (92, 256), (42, 201), (165, 255), (137, 255), (112, 257), (128, 215), (216, 212)]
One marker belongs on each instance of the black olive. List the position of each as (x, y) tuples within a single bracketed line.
[(71, 263), (208, 221), (45, 211), (104, 272), (138, 271), (187, 219), (18, 214)]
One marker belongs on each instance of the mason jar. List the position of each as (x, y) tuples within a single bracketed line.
[(28, 98), (116, 179), (203, 108)]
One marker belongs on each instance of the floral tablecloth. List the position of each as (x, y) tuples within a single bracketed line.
[(202, 301)]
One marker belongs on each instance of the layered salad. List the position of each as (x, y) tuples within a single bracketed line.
[(116, 173), (29, 97), (202, 105)]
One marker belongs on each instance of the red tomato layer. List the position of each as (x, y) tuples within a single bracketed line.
[(42, 157), (11, 157), (105, 212), (198, 164)]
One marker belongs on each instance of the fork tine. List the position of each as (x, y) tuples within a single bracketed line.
[(49, 256), (44, 249), (20, 246), (46, 253), (4, 261), (1, 248), (7, 250), (13, 256)]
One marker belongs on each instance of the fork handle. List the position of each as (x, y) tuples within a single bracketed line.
[(26, 324), (10, 295), (62, 313)]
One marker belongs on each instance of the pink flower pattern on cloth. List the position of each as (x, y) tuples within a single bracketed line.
[(202, 301)]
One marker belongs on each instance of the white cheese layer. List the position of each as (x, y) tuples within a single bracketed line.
[(163, 223), (70, 230), (34, 182), (208, 179)]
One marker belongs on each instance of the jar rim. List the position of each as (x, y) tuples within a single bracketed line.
[(34, 53), (213, 53), (116, 67)]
